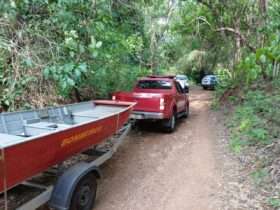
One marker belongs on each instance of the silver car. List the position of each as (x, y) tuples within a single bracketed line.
[(183, 81)]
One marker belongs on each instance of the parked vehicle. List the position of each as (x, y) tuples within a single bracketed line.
[(158, 98), (209, 82), (184, 82), (37, 142)]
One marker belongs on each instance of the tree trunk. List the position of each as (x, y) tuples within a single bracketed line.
[(263, 6), (77, 95), (237, 55), (262, 21), (262, 38)]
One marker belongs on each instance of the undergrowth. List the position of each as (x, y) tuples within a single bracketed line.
[(274, 202), (254, 131), (255, 120)]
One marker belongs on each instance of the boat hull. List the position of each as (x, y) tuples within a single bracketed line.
[(22, 161)]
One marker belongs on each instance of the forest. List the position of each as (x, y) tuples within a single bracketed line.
[(59, 51), (78, 49)]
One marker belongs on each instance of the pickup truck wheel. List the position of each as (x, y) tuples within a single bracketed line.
[(84, 195), (186, 112), (171, 123)]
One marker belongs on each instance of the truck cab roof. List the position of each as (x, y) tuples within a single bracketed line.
[(162, 76), (157, 78)]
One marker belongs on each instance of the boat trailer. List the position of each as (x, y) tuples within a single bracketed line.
[(73, 182)]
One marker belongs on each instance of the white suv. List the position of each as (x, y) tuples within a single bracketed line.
[(183, 81)]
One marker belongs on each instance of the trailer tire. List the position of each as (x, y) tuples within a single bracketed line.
[(70, 182), (84, 195)]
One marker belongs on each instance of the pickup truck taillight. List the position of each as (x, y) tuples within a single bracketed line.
[(114, 98), (161, 104)]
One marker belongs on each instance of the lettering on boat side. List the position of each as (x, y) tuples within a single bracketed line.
[(79, 137)]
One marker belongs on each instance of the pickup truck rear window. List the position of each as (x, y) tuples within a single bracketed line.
[(154, 84)]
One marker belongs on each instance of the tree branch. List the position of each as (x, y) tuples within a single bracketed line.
[(237, 33)]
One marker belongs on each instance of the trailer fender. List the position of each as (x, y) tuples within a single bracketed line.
[(66, 184)]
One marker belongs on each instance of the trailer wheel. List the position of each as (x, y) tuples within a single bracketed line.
[(83, 197)]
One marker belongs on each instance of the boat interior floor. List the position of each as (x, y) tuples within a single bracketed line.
[(16, 126)]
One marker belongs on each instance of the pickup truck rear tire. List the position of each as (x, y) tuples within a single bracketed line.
[(170, 123), (186, 112)]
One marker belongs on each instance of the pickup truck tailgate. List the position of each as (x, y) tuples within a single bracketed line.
[(148, 102)]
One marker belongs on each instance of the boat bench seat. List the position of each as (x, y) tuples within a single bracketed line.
[(84, 116), (43, 127), (8, 139)]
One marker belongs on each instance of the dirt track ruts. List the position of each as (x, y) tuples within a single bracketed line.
[(157, 171)]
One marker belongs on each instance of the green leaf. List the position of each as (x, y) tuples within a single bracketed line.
[(7, 102), (64, 84), (77, 73), (68, 67), (94, 54), (93, 41), (70, 82), (263, 58), (98, 44), (274, 202), (72, 54), (46, 72), (28, 62), (83, 67)]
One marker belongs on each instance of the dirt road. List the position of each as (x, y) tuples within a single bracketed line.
[(157, 171)]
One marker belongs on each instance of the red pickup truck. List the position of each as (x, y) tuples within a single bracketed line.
[(158, 98)]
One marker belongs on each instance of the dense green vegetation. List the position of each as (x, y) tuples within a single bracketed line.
[(240, 42), (57, 50), (256, 119)]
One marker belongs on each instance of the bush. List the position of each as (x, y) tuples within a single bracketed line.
[(256, 120)]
